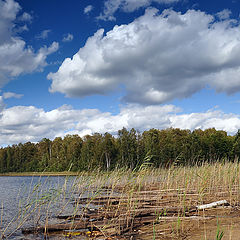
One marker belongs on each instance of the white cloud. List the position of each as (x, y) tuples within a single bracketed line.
[(15, 56), (88, 9), (44, 34), (111, 6), (21, 123), (210, 119), (224, 14), (26, 17), (9, 10), (7, 95), (156, 58), (2, 104), (67, 38)]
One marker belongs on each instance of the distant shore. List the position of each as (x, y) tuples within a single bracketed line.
[(16, 174)]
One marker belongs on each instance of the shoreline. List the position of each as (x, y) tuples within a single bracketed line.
[(163, 203), (30, 174)]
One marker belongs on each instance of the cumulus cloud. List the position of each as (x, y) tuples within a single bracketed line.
[(67, 38), (224, 14), (88, 9), (15, 56), (22, 123), (210, 119), (156, 58), (111, 6), (9, 10)]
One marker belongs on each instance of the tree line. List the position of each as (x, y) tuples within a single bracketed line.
[(130, 149)]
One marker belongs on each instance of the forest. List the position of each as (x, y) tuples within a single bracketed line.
[(129, 149)]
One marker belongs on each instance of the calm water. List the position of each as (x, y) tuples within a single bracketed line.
[(19, 197)]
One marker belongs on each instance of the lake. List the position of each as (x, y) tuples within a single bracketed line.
[(28, 200)]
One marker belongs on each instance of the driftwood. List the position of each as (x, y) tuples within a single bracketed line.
[(124, 215), (55, 227), (115, 226), (213, 204), (109, 220)]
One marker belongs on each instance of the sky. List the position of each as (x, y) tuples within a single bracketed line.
[(86, 66)]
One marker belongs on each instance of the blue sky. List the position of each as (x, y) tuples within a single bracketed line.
[(79, 67)]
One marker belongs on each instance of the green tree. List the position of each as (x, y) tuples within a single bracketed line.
[(44, 152), (127, 144), (108, 151)]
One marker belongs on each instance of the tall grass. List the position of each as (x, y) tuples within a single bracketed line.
[(205, 181)]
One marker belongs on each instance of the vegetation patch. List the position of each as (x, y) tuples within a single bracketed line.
[(128, 150), (199, 202)]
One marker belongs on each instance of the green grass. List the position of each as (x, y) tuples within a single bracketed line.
[(220, 233)]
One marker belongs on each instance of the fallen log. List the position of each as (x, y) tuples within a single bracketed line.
[(213, 204), (174, 218), (71, 217), (139, 212), (55, 227), (93, 225)]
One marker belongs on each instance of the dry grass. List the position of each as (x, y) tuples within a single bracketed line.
[(150, 204)]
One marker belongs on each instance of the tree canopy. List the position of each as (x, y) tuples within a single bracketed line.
[(129, 149)]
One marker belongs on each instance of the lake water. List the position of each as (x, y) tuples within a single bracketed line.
[(27, 201)]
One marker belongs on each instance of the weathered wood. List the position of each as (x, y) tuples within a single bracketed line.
[(71, 217), (174, 218), (213, 204), (55, 227), (124, 215)]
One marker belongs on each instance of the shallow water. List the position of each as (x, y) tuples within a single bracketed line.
[(26, 201)]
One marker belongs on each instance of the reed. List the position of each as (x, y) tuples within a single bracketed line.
[(148, 203)]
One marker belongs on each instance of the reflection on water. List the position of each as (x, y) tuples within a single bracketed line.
[(27, 201)]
